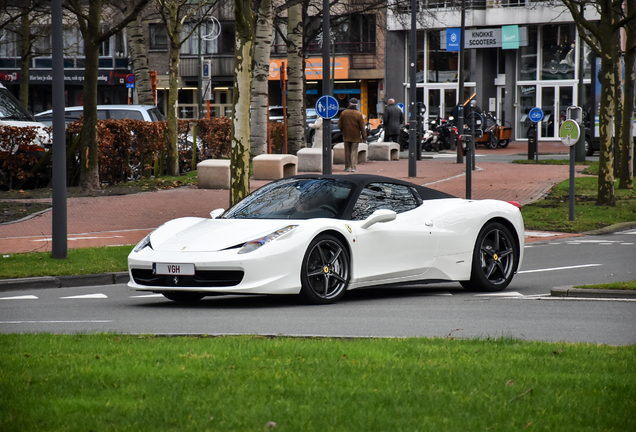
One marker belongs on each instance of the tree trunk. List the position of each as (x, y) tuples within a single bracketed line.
[(240, 151), (626, 168), (618, 109), (173, 92), (89, 173), (295, 59), (606, 196), (25, 59), (137, 48), (260, 77)]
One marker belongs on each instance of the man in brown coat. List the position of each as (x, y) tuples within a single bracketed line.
[(351, 123)]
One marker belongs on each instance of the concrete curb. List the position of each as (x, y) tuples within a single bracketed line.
[(63, 281), (570, 291), (610, 229)]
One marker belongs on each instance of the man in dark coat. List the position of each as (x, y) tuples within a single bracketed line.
[(351, 123), (393, 118)]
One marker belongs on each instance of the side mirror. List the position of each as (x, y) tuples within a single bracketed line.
[(379, 216), (216, 213)]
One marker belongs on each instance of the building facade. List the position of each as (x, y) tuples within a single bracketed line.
[(518, 55)]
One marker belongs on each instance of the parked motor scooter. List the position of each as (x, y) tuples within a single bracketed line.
[(375, 135), (430, 140)]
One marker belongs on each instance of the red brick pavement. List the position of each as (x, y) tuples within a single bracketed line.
[(113, 220)]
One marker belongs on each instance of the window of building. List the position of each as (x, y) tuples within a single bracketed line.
[(226, 39), (558, 52), (442, 64), (9, 45), (362, 34), (158, 37), (73, 43), (208, 29), (528, 57)]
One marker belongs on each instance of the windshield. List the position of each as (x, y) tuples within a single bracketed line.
[(294, 199), (11, 109)]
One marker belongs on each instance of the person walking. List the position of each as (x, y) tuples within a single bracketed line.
[(393, 119), (351, 123)]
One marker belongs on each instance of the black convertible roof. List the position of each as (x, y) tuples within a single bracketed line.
[(362, 180)]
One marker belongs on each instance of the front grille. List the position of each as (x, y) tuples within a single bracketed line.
[(201, 278)]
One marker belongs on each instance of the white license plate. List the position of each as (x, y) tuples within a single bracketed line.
[(173, 269)]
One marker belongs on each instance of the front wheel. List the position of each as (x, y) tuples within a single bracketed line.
[(504, 143), (494, 261), (589, 148), (325, 270)]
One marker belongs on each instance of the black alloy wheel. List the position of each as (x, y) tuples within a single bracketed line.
[(325, 270), (495, 259)]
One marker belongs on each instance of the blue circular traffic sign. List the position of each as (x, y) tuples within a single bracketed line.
[(130, 78), (401, 107), (536, 114), (327, 106)]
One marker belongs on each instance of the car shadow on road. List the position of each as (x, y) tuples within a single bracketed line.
[(232, 301)]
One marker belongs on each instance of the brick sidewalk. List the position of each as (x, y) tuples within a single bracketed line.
[(114, 220)]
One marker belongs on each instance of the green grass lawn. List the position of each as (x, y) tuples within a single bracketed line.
[(106, 382)]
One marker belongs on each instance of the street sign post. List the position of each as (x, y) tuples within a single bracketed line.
[(327, 107), (130, 81), (570, 133), (535, 115)]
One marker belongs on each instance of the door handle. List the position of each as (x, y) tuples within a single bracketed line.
[(428, 223)]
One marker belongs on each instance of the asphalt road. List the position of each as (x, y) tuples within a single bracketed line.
[(525, 310)]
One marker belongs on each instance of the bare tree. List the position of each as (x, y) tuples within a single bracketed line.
[(260, 76), (240, 152), (626, 168), (137, 53), (25, 20), (601, 37), (296, 78), (89, 20), (175, 13)]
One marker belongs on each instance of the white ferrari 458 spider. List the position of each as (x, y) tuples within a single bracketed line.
[(321, 235)]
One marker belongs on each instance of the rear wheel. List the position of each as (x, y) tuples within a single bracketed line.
[(589, 148), (495, 259), (183, 296), (325, 270)]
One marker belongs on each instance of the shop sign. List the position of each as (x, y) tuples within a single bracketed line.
[(453, 39), (487, 38), (313, 68), (111, 77)]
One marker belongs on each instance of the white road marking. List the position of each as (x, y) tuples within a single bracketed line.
[(86, 296), (56, 322), (559, 268), (501, 294), (81, 238), (147, 296), (24, 297), (541, 234)]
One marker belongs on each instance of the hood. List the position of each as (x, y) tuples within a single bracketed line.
[(210, 235)]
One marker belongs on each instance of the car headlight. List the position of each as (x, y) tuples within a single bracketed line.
[(251, 246), (143, 243)]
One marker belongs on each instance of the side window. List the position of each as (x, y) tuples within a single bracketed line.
[(125, 114), (378, 196)]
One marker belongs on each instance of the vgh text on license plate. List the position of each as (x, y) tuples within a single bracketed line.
[(173, 269)]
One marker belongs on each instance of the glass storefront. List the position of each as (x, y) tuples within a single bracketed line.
[(552, 51)]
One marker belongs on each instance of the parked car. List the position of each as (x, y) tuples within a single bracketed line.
[(336, 134), (104, 112), (12, 113), (321, 235)]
